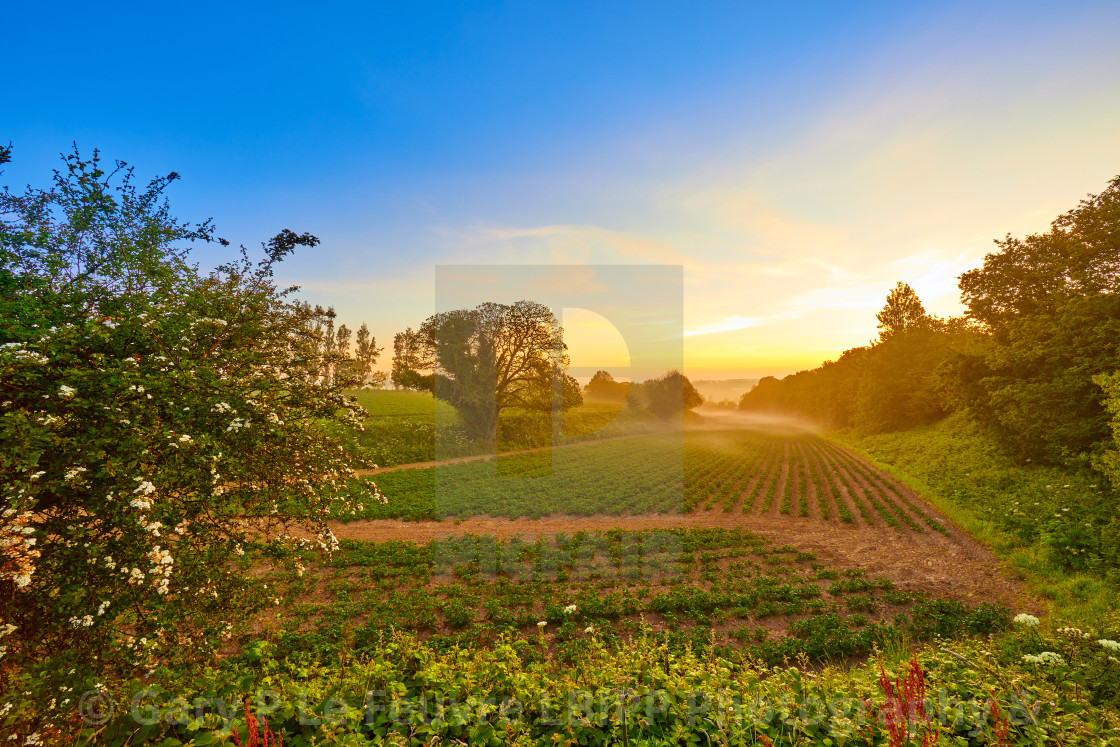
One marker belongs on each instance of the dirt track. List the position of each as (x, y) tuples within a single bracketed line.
[(955, 566), (486, 457)]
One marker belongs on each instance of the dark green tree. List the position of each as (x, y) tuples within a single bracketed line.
[(671, 395), (1079, 256), (1108, 459), (489, 359), (1050, 302), (1033, 383), (413, 364), (365, 358), (903, 312), (602, 386)]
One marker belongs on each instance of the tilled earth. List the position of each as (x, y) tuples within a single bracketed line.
[(947, 565)]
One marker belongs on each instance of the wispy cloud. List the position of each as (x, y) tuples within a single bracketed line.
[(734, 323)]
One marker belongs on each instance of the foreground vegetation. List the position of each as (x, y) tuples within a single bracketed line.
[(405, 692), (1058, 527)]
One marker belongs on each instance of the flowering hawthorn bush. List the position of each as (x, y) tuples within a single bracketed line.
[(155, 424)]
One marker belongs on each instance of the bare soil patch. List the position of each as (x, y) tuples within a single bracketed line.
[(954, 567)]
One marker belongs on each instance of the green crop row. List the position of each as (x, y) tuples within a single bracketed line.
[(695, 586)]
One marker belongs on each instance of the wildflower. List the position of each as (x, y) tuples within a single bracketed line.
[(66, 392), (1024, 619), (589, 629), (569, 609), (1110, 645), (542, 623), (1074, 632), (1046, 657), (145, 487)]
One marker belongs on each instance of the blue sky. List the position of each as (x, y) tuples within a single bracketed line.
[(796, 158)]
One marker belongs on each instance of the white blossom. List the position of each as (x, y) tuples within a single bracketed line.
[(1046, 657)]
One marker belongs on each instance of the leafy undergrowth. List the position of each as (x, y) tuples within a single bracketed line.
[(407, 692), (1060, 528)]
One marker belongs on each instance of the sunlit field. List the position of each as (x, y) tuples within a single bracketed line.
[(729, 483), (407, 427)]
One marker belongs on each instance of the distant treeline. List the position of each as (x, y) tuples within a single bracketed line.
[(664, 396), (717, 391), (1035, 359)]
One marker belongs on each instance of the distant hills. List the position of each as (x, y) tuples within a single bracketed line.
[(717, 390)]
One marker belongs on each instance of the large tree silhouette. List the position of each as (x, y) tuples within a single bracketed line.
[(487, 359)]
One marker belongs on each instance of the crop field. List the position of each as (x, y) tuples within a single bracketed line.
[(404, 427), (693, 588), (762, 543), (734, 471)]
